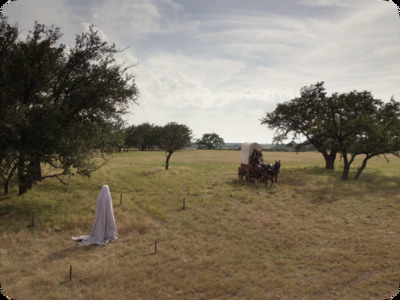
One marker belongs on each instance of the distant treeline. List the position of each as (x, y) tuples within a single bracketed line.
[(148, 136), (290, 147)]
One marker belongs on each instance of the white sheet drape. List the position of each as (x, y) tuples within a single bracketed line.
[(104, 228)]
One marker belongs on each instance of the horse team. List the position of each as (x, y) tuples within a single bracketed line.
[(256, 169)]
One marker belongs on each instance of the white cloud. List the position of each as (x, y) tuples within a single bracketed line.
[(199, 93), (219, 67), (341, 3)]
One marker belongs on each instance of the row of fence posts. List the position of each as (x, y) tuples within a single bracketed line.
[(120, 203)]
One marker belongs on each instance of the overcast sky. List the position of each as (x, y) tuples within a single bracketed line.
[(220, 65)]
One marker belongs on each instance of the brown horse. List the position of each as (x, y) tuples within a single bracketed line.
[(261, 173), (258, 172), (247, 171), (241, 171)]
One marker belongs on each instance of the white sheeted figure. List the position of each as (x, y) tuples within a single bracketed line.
[(104, 228)]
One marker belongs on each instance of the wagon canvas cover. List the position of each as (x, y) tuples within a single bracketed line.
[(247, 150)]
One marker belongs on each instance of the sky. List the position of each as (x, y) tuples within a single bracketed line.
[(218, 66)]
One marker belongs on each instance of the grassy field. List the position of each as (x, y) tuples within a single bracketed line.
[(312, 236)]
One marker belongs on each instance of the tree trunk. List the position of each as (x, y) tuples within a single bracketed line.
[(167, 161), (329, 159), (34, 173), (363, 165), (7, 181), (22, 178), (346, 165), (346, 168)]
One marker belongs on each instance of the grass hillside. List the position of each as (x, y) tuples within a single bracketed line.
[(313, 236)]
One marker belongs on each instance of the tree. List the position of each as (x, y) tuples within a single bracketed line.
[(149, 136), (144, 136), (352, 117), (210, 141), (58, 107), (144, 131), (119, 133), (8, 38), (351, 124), (381, 135), (131, 136), (305, 117), (174, 137)]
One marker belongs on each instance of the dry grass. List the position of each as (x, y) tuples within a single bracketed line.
[(311, 237)]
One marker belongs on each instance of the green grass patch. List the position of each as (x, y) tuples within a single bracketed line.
[(312, 236)]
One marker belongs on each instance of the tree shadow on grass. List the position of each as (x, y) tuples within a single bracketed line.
[(237, 183), (326, 186), (322, 186), (14, 216)]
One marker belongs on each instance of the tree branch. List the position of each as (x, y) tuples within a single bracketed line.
[(56, 176)]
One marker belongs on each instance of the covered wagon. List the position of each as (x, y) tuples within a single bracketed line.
[(252, 164)]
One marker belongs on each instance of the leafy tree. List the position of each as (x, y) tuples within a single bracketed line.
[(119, 133), (149, 136), (305, 117), (210, 141), (8, 38), (174, 137), (352, 117), (58, 107), (144, 136), (156, 139), (381, 135), (351, 124), (145, 133), (131, 136)]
